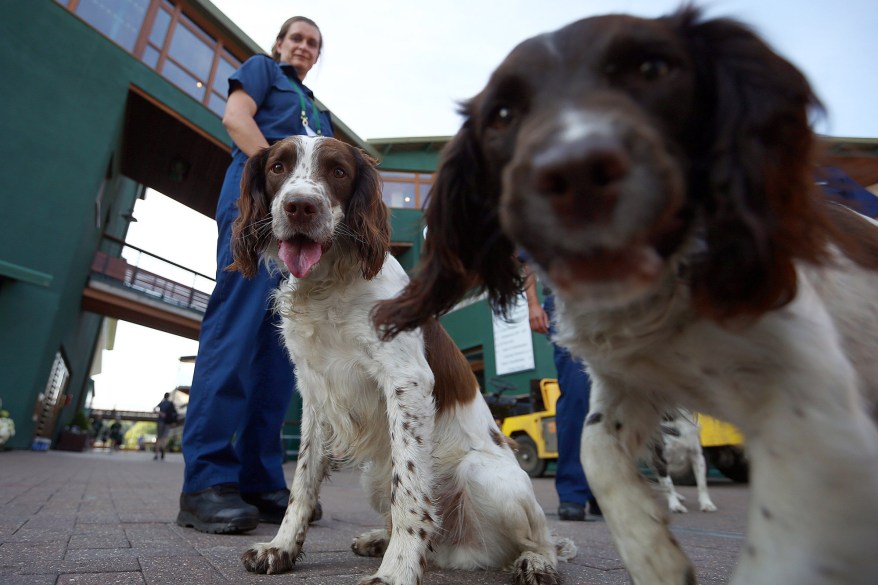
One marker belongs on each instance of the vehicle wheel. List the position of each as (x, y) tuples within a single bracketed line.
[(528, 458), (731, 460)]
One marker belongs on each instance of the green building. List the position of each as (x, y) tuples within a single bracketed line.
[(104, 99)]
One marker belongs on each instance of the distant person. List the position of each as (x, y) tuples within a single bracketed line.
[(167, 416), (574, 494), (243, 381), (116, 434)]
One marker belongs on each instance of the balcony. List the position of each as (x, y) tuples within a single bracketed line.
[(135, 285)]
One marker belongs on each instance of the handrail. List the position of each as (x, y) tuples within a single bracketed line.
[(156, 282), (165, 260)]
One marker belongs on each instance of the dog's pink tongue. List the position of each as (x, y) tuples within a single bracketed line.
[(300, 255)]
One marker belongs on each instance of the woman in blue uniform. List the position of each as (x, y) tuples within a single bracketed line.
[(243, 378)]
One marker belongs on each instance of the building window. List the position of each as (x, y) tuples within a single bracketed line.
[(158, 33), (119, 20), (406, 190)]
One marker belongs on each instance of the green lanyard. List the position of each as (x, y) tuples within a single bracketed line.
[(314, 111)]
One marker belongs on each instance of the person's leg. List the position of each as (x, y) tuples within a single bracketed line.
[(217, 417), (269, 384), (269, 388), (211, 500), (216, 397), (570, 411)]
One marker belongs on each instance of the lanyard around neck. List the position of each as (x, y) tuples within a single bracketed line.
[(303, 100)]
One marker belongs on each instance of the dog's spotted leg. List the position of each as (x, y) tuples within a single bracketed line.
[(660, 466), (410, 412), (620, 420), (279, 555), (699, 468)]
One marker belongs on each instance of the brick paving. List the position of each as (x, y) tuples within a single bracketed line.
[(108, 518)]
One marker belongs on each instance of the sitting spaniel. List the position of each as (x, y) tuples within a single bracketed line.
[(408, 410), (658, 172)]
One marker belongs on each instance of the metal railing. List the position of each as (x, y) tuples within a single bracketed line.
[(151, 275)]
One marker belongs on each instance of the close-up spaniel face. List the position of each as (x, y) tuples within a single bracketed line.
[(612, 150), (302, 196), (591, 149)]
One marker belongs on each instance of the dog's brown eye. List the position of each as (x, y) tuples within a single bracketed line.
[(501, 118), (339, 173), (655, 68), (277, 168)]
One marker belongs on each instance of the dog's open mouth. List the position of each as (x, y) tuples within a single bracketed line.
[(300, 254), (637, 264)]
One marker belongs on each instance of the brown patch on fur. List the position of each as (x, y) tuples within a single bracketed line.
[(500, 439), (453, 508), (455, 381)]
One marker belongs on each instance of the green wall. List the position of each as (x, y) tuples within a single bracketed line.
[(64, 98), (65, 89)]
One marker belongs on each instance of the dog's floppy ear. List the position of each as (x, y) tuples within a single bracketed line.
[(367, 216), (754, 173), (251, 232), (465, 246)]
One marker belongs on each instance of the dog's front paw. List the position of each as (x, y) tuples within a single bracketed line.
[(268, 559), (371, 544), (531, 568), (675, 504), (707, 506)]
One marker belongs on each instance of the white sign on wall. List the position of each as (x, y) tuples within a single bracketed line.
[(513, 344)]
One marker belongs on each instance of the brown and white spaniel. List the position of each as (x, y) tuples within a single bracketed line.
[(658, 173), (409, 411)]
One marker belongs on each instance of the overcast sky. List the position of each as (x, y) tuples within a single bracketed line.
[(394, 68)]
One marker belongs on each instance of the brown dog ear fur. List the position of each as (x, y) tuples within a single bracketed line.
[(367, 216), (759, 202), (250, 236), (465, 246)]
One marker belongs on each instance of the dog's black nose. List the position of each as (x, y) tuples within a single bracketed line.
[(299, 210), (582, 176)]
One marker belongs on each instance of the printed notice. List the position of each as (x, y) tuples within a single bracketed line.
[(513, 341)]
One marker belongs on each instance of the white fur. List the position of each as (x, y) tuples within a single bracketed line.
[(799, 381), (371, 403)]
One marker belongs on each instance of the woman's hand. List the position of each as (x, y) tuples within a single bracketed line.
[(539, 321)]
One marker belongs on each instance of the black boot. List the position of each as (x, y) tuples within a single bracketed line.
[(571, 511), (218, 509), (273, 505)]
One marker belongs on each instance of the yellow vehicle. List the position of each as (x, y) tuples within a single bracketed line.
[(537, 436), (723, 446), (535, 432)]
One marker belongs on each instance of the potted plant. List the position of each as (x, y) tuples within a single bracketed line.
[(7, 426), (75, 435)]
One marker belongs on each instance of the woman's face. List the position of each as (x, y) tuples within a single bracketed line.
[(300, 47)]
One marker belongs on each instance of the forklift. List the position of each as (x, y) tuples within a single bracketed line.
[(530, 421)]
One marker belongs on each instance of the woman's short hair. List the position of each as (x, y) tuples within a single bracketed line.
[(286, 26)]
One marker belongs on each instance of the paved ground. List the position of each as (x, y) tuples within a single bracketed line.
[(99, 517)]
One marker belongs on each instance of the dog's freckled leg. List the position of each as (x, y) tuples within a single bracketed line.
[(638, 523), (410, 413), (285, 549)]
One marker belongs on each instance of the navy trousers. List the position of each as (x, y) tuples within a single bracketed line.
[(243, 380), (570, 412)]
